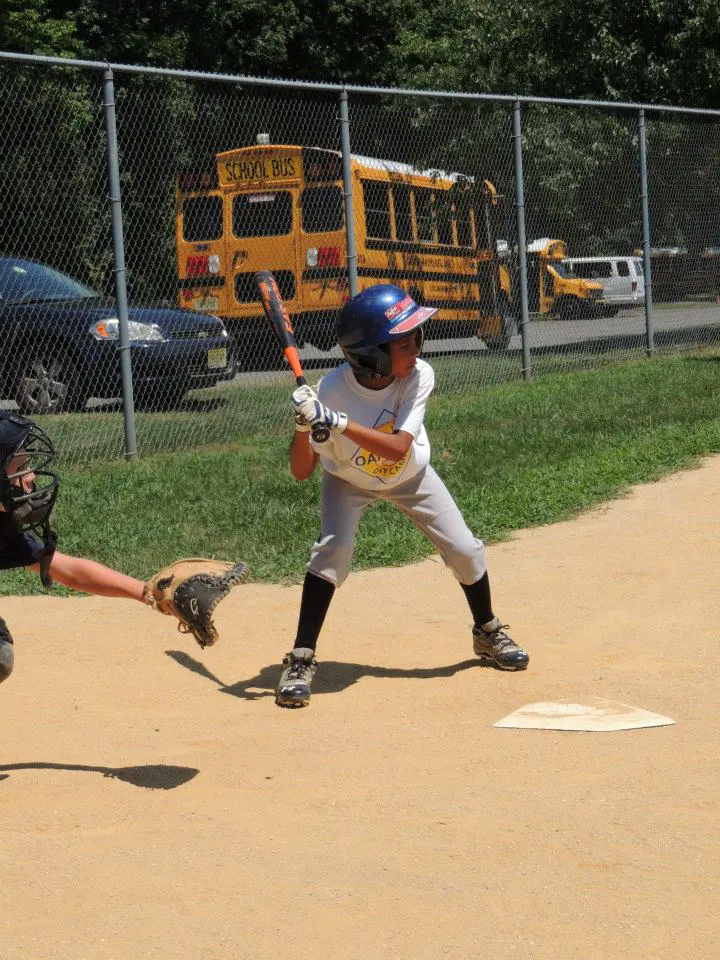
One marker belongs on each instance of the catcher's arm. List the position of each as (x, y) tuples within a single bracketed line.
[(191, 590), (7, 656)]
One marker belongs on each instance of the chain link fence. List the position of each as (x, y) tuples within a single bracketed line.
[(137, 206)]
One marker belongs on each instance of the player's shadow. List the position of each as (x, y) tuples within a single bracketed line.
[(153, 776), (333, 677)]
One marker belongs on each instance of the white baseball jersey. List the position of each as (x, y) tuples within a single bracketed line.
[(400, 406)]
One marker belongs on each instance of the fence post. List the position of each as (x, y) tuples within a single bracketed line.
[(647, 269), (521, 241), (347, 190), (119, 261)]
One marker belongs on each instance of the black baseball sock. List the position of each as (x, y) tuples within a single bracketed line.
[(478, 598), (316, 596)]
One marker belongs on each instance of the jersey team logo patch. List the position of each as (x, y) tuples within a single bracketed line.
[(374, 465)]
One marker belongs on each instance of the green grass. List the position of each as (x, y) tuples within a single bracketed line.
[(514, 455)]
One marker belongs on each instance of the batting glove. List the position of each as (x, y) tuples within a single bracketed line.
[(301, 424), (332, 419), (302, 395)]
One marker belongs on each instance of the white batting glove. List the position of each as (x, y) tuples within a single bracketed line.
[(301, 424), (332, 419), (303, 393), (300, 396)]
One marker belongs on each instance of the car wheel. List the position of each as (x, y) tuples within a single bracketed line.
[(50, 384)]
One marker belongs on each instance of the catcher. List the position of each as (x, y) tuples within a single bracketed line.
[(188, 589)]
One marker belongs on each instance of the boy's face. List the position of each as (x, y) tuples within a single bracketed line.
[(404, 353), (27, 481)]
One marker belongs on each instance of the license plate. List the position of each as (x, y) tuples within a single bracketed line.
[(217, 358), (206, 304)]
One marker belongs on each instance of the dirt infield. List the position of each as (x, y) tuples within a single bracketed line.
[(155, 803)]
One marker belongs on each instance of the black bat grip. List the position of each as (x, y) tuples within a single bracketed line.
[(320, 434)]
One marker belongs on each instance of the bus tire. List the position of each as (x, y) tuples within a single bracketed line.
[(508, 324), (568, 308)]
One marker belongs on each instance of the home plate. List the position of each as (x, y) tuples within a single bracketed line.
[(593, 714)]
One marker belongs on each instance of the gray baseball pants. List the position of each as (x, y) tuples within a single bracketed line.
[(424, 499)]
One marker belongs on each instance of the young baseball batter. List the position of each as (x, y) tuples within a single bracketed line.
[(374, 406), (28, 490)]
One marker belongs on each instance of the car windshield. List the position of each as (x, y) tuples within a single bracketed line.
[(22, 281)]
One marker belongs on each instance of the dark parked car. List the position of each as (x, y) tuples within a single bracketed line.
[(60, 344)]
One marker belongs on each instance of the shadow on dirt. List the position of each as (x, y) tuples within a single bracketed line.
[(154, 776), (332, 676)]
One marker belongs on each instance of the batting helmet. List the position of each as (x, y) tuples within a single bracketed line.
[(370, 321), (27, 500)]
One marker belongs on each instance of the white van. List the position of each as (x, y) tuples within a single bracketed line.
[(622, 278)]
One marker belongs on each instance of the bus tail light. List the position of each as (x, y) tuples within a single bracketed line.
[(199, 265), (329, 256), (187, 295), (634, 286), (323, 257)]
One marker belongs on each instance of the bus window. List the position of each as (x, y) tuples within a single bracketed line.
[(322, 209), (424, 214), (376, 198), (443, 219), (262, 214), (202, 219), (403, 216)]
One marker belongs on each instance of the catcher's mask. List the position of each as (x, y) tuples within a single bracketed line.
[(28, 488)]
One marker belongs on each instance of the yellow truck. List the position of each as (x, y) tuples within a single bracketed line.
[(552, 290)]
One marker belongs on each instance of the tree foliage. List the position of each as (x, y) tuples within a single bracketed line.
[(581, 165)]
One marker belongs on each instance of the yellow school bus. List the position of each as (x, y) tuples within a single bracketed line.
[(552, 289), (281, 208)]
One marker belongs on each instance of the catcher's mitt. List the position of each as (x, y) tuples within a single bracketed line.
[(191, 589)]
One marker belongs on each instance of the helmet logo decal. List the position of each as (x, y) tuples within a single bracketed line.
[(398, 308)]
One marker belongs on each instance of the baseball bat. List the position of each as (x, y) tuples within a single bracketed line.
[(277, 315)]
